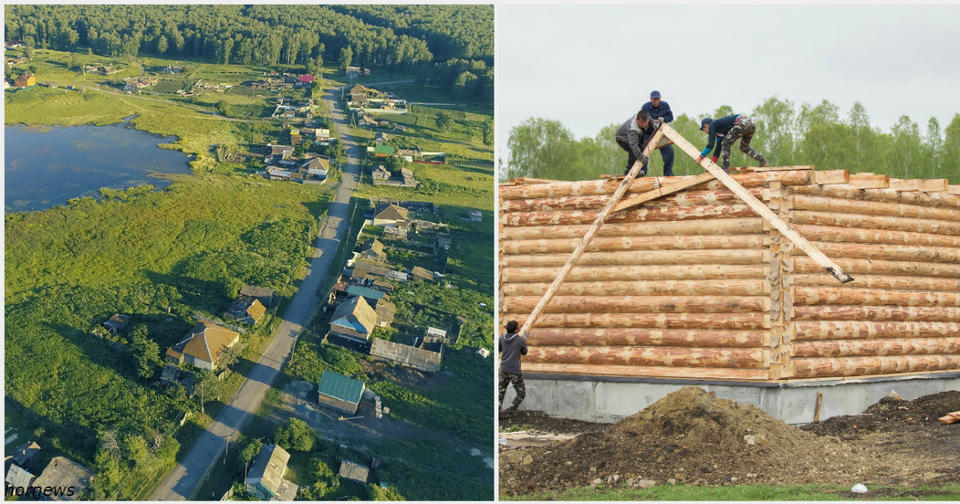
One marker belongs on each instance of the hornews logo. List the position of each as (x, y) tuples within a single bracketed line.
[(36, 491)]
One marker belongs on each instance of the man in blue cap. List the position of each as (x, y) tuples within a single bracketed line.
[(659, 109), (728, 129)]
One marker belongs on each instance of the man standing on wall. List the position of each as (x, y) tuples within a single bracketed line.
[(728, 129), (659, 109), (512, 346)]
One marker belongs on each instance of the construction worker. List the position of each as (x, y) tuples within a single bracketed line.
[(633, 136), (512, 346), (728, 129), (659, 109)]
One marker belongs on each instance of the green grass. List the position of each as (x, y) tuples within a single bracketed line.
[(747, 493)]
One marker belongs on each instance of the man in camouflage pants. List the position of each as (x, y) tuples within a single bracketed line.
[(512, 346), (728, 129)]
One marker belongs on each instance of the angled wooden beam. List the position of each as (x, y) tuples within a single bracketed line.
[(582, 246), (758, 207), (661, 191)]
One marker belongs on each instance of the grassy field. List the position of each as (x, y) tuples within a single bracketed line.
[(950, 492)]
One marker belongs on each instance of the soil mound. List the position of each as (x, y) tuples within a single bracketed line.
[(689, 436), (540, 421), (892, 414)]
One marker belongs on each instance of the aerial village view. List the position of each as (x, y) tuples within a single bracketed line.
[(249, 252)]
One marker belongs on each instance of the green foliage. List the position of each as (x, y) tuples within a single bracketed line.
[(297, 435), (146, 352), (814, 134), (444, 120), (324, 479), (250, 451), (384, 494)]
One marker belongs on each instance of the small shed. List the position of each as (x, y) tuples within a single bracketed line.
[(118, 322), (354, 471), (422, 273), (25, 452), (263, 294), (340, 392), (18, 477)]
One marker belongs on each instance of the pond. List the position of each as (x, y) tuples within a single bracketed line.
[(48, 166)]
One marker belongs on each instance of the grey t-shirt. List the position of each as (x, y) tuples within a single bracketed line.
[(512, 346)]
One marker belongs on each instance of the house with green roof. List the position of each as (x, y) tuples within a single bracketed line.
[(339, 392)]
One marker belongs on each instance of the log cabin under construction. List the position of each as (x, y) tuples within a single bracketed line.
[(696, 286)]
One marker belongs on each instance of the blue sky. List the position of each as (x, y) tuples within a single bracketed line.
[(592, 65)]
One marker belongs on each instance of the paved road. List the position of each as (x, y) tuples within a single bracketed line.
[(185, 479)]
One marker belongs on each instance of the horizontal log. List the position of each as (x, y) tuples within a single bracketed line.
[(934, 185), (728, 287), (887, 252), (617, 243), (895, 282), (877, 313), (743, 225), (608, 186), (646, 272), (594, 337), (651, 356), (646, 371), (753, 320), (686, 198), (875, 297), (874, 222), (861, 266), (953, 189), (640, 304), (642, 214), (891, 346), (891, 195), (865, 329), (841, 205), (831, 177), (813, 367), (869, 180), (857, 235), (722, 256)]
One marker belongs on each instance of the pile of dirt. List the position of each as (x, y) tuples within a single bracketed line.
[(689, 436), (891, 414), (541, 422)]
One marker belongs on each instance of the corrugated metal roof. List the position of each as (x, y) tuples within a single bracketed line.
[(340, 387)]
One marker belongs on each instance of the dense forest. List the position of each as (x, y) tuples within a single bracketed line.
[(434, 41), (786, 134)]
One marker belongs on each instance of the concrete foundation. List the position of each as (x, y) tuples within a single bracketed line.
[(609, 399)]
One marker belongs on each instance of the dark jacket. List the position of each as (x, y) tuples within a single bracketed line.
[(718, 129), (663, 111), (512, 346), (631, 135)]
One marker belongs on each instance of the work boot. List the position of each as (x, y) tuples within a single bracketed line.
[(513, 407), (763, 162)]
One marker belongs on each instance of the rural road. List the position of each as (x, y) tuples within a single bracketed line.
[(184, 480)]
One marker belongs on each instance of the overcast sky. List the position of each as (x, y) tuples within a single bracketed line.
[(592, 65)]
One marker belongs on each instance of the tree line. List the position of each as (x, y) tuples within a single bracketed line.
[(786, 135), (402, 38)]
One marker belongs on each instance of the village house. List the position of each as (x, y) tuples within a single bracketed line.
[(381, 175), (279, 151), (265, 478), (204, 346), (422, 273), (354, 320), (339, 392), (407, 179), (246, 309), (354, 471), (391, 216), (263, 294), (322, 134), (25, 81), (373, 249), (64, 473), (18, 477), (406, 355), (117, 323), (25, 452), (380, 138), (135, 85)]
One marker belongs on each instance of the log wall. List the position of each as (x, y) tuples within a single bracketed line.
[(695, 285)]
